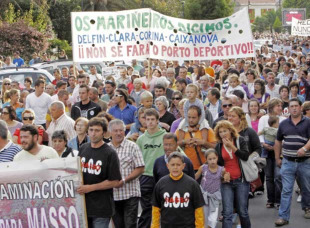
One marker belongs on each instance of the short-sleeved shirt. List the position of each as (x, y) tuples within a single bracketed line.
[(8, 152), (130, 157), (190, 151), (46, 152), (177, 200), (294, 136), (127, 114), (98, 165)]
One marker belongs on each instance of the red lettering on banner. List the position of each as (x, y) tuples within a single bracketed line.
[(237, 47)]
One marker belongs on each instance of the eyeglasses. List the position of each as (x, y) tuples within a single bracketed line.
[(176, 98), (5, 113), (227, 105), (28, 118), (7, 84), (117, 95)]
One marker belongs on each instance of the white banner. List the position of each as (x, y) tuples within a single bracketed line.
[(300, 27), (144, 33)]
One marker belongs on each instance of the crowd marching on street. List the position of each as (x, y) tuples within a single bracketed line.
[(175, 138)]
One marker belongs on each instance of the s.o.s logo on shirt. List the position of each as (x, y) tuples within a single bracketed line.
[(90, 167), (176, 200)]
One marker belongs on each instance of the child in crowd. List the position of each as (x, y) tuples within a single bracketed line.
[(212, 174), (177, 200), (270, 133), (192, 92), (146, 100), (234, 84)]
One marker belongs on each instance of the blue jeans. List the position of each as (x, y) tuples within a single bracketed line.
[(96, 222), (290, 171), (238, 192)]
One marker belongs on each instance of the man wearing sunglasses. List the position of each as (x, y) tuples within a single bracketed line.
[(226, 106)]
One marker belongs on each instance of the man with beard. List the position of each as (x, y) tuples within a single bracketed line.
[(272, 88), (32, 150)]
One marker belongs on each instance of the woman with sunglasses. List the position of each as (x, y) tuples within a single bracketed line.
[(174, 107), (9, 116), (28, 118), (6, 85)]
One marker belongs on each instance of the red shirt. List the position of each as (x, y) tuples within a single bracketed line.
[(17, 133), (130, 87), (231, 165)]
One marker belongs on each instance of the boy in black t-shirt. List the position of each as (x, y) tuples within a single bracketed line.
[(101, 173), (177, 198)]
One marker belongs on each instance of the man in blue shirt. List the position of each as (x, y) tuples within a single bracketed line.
[(293, 138), (123, 110), (18, 61)]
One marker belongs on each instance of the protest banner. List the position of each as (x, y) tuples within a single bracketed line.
[(144, 33), (300, 27), (38, 194)]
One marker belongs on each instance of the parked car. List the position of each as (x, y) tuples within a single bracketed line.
[(52, 65), (20, 73)]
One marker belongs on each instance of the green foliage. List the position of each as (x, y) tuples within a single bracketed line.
[(19, 36), (208, 9), (267, 21), (297, 4), (61, 44), (59, 13), (277, 25)]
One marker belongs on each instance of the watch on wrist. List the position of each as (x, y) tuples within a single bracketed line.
[(304, 149), (124, 180)]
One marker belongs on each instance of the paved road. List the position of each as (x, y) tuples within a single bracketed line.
[(261, 217)]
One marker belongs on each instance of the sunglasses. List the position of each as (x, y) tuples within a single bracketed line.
[(28, 118), (7, 84), (5, 113), (227, 105), (176, 98), (117, 95)]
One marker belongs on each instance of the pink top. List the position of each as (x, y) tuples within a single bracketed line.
[(255, 125)]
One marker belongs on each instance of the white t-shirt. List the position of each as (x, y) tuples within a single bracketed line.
[(39, 105), (93, 77), (46, 152)]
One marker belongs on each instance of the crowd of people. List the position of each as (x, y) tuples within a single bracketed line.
[(171, 136)]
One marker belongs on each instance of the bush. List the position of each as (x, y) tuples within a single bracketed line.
[(62, 44), (18, 36)]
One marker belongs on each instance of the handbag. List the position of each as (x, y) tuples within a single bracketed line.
[(249, 167)]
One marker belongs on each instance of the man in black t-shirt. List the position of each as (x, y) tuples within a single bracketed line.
[(177, 198), (101, 173)]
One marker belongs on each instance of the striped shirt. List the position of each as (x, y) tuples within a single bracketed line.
[(8, 152), (285, 78), (294, 136), (130, 157), (65, 123)]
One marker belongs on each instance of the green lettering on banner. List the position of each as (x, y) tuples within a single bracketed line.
[(111, 23), (227, 24), (163, 22), (78, 23), (100, 22), (209, 27), (219, 26), (193, 28), (136, 20), (145, 19), (120, 20), (181, 27), (86, 24), (170, 25), (155, 20)]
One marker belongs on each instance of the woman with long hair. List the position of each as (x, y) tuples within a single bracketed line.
[(235, 193), (6, 85), (260, 93), (12, 96), (9, 116), (174, 107), (281, 61), (253, 115)]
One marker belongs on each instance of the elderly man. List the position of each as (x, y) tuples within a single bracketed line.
[(60, 121), (171, 78), (7, 149), (126, 197), (160, 166)]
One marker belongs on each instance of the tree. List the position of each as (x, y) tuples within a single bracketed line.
[(208, 9), (260, 24), (59, 13), (297, 4), (19, 36), (277, 25)]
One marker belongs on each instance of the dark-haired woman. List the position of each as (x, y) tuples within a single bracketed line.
[(9, 116)]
